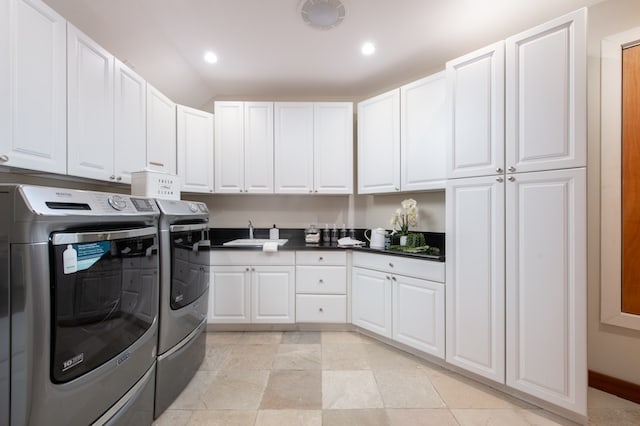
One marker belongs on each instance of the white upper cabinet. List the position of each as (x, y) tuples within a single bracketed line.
[(195, 149), (244, 147), (546, 286), (313, 147), (475, 84), (161, 132), (475, 290), (229, 147), (379, 143), (258, 147), (333, 147), (130, 128), (546, 95), (33, 87), (90, 107), (293, 147), (402, 138), (423, 133)]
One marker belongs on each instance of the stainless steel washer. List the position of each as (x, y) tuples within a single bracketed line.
[(184, 294), (78, 313)]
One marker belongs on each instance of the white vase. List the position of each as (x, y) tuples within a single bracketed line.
[(403, 240)]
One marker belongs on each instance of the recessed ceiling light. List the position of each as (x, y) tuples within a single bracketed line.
[(210, 57), (368, 48)]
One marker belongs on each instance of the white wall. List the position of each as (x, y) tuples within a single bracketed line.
[(612, 350), (299, 211)]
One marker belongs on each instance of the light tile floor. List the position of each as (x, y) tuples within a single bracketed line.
[(344, 378)]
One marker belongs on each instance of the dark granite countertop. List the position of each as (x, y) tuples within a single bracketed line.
[(296, 241)]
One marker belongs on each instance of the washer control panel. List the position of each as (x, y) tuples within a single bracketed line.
[(60, 201)]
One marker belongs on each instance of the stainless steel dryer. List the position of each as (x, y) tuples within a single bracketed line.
[(184, 277), (78, 313)]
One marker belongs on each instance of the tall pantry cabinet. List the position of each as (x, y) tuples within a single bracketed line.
[(516, 213)]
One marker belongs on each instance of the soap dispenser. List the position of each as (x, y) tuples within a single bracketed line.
[(274, 233)]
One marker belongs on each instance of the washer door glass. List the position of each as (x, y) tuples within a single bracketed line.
[(189, 263), (104, 297)]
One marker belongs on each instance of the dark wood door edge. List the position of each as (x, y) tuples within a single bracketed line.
[(621, 388)]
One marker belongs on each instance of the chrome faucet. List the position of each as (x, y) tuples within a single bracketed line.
[(250, 230)]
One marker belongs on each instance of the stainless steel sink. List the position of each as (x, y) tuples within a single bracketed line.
[(250, 242)]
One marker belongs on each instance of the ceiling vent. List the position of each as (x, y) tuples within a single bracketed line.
[(322, 14)]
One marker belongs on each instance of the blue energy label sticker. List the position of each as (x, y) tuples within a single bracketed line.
[(89, 253)]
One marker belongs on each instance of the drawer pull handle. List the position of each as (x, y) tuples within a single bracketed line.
[(320, 310), (391, 264), (4, 158), (321, 259), (155, 163), (321, 281), (393, 278), (247, 269), (388, 277)]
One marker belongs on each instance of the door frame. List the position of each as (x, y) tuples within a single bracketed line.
[(611, 180)]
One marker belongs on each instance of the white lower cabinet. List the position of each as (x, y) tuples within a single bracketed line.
[(533, 226), (402, 298), (272, 294), (252, 287), (371, 300), (418, 314), (546, 291), (321, 286), (475, 275), (230, 295)]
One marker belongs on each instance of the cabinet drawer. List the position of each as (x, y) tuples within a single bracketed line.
[(321, 279), (251, 257), (418, 268), (321, 257), (321, 308)]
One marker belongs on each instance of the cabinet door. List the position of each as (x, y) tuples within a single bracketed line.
[(546, 95), (547, 286), (333, 147), (379, 144), (161, 132), (229, 147), (475, 275), (293, 147), (418, 314), (90, 107), (475, 85), (423, 133), (258, 147), (230, 294), (195, 149), (371, 300), (130, 123), (273, 294), (33, 87)]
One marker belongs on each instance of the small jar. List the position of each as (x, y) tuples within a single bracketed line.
[(312, 235)]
